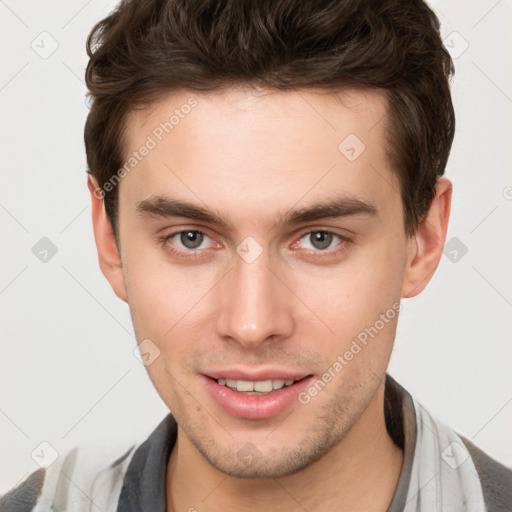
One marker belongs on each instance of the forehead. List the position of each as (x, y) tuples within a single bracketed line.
[(309, 113), (254, 150)]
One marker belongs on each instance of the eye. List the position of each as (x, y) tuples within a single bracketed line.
[(189, 239), (319, 240)]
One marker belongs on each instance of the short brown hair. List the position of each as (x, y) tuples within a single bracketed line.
[(147, 48)]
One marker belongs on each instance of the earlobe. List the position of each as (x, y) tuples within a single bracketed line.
[(108, 253), (426, 246)]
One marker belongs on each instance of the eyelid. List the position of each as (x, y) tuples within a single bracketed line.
[(174, 230), (200, 231), (165, 239), (332, 231), (341, 246), (324, 230), (344, 239)]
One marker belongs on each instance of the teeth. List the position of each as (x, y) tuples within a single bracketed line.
[(244, 385), (277, 384), (260, 386), (264, 386)]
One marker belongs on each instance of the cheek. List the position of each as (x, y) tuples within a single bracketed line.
[(353, 295), (165, 299), (168, 307)]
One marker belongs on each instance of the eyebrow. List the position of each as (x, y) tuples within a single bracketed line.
[(332, 209), (160, 206)]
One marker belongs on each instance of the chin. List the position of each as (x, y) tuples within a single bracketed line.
[(251, 462)]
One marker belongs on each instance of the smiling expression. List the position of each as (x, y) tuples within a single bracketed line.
[(255, 248)]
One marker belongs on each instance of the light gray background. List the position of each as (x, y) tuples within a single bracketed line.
[(68, 374)]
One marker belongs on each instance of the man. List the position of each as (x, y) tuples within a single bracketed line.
[(266, 185)]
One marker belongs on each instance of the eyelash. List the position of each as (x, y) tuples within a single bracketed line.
[(195, 253)]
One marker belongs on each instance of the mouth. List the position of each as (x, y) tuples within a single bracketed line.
[(256, 396), (259, 387)]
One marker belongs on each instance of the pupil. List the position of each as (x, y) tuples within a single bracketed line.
[(321, 239), (191, 239)]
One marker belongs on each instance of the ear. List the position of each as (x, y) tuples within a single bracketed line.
[(426, 245), (108, 254)]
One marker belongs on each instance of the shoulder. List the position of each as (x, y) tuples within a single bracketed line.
[(72, 484), (24, 497), (495, 478)]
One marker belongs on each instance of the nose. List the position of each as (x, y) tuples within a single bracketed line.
[(254, 305)]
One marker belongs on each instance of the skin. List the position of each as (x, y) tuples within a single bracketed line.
[(252, 156)]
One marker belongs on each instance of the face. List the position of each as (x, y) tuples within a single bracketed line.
[(262, 245)]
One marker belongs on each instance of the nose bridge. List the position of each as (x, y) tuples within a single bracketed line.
[(252, 306)]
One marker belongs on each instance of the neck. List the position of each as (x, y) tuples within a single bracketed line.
[(359, 474)]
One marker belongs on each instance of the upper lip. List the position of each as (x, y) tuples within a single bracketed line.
[(255, 375)]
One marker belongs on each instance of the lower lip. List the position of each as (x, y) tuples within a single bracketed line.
[(255, 407)]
